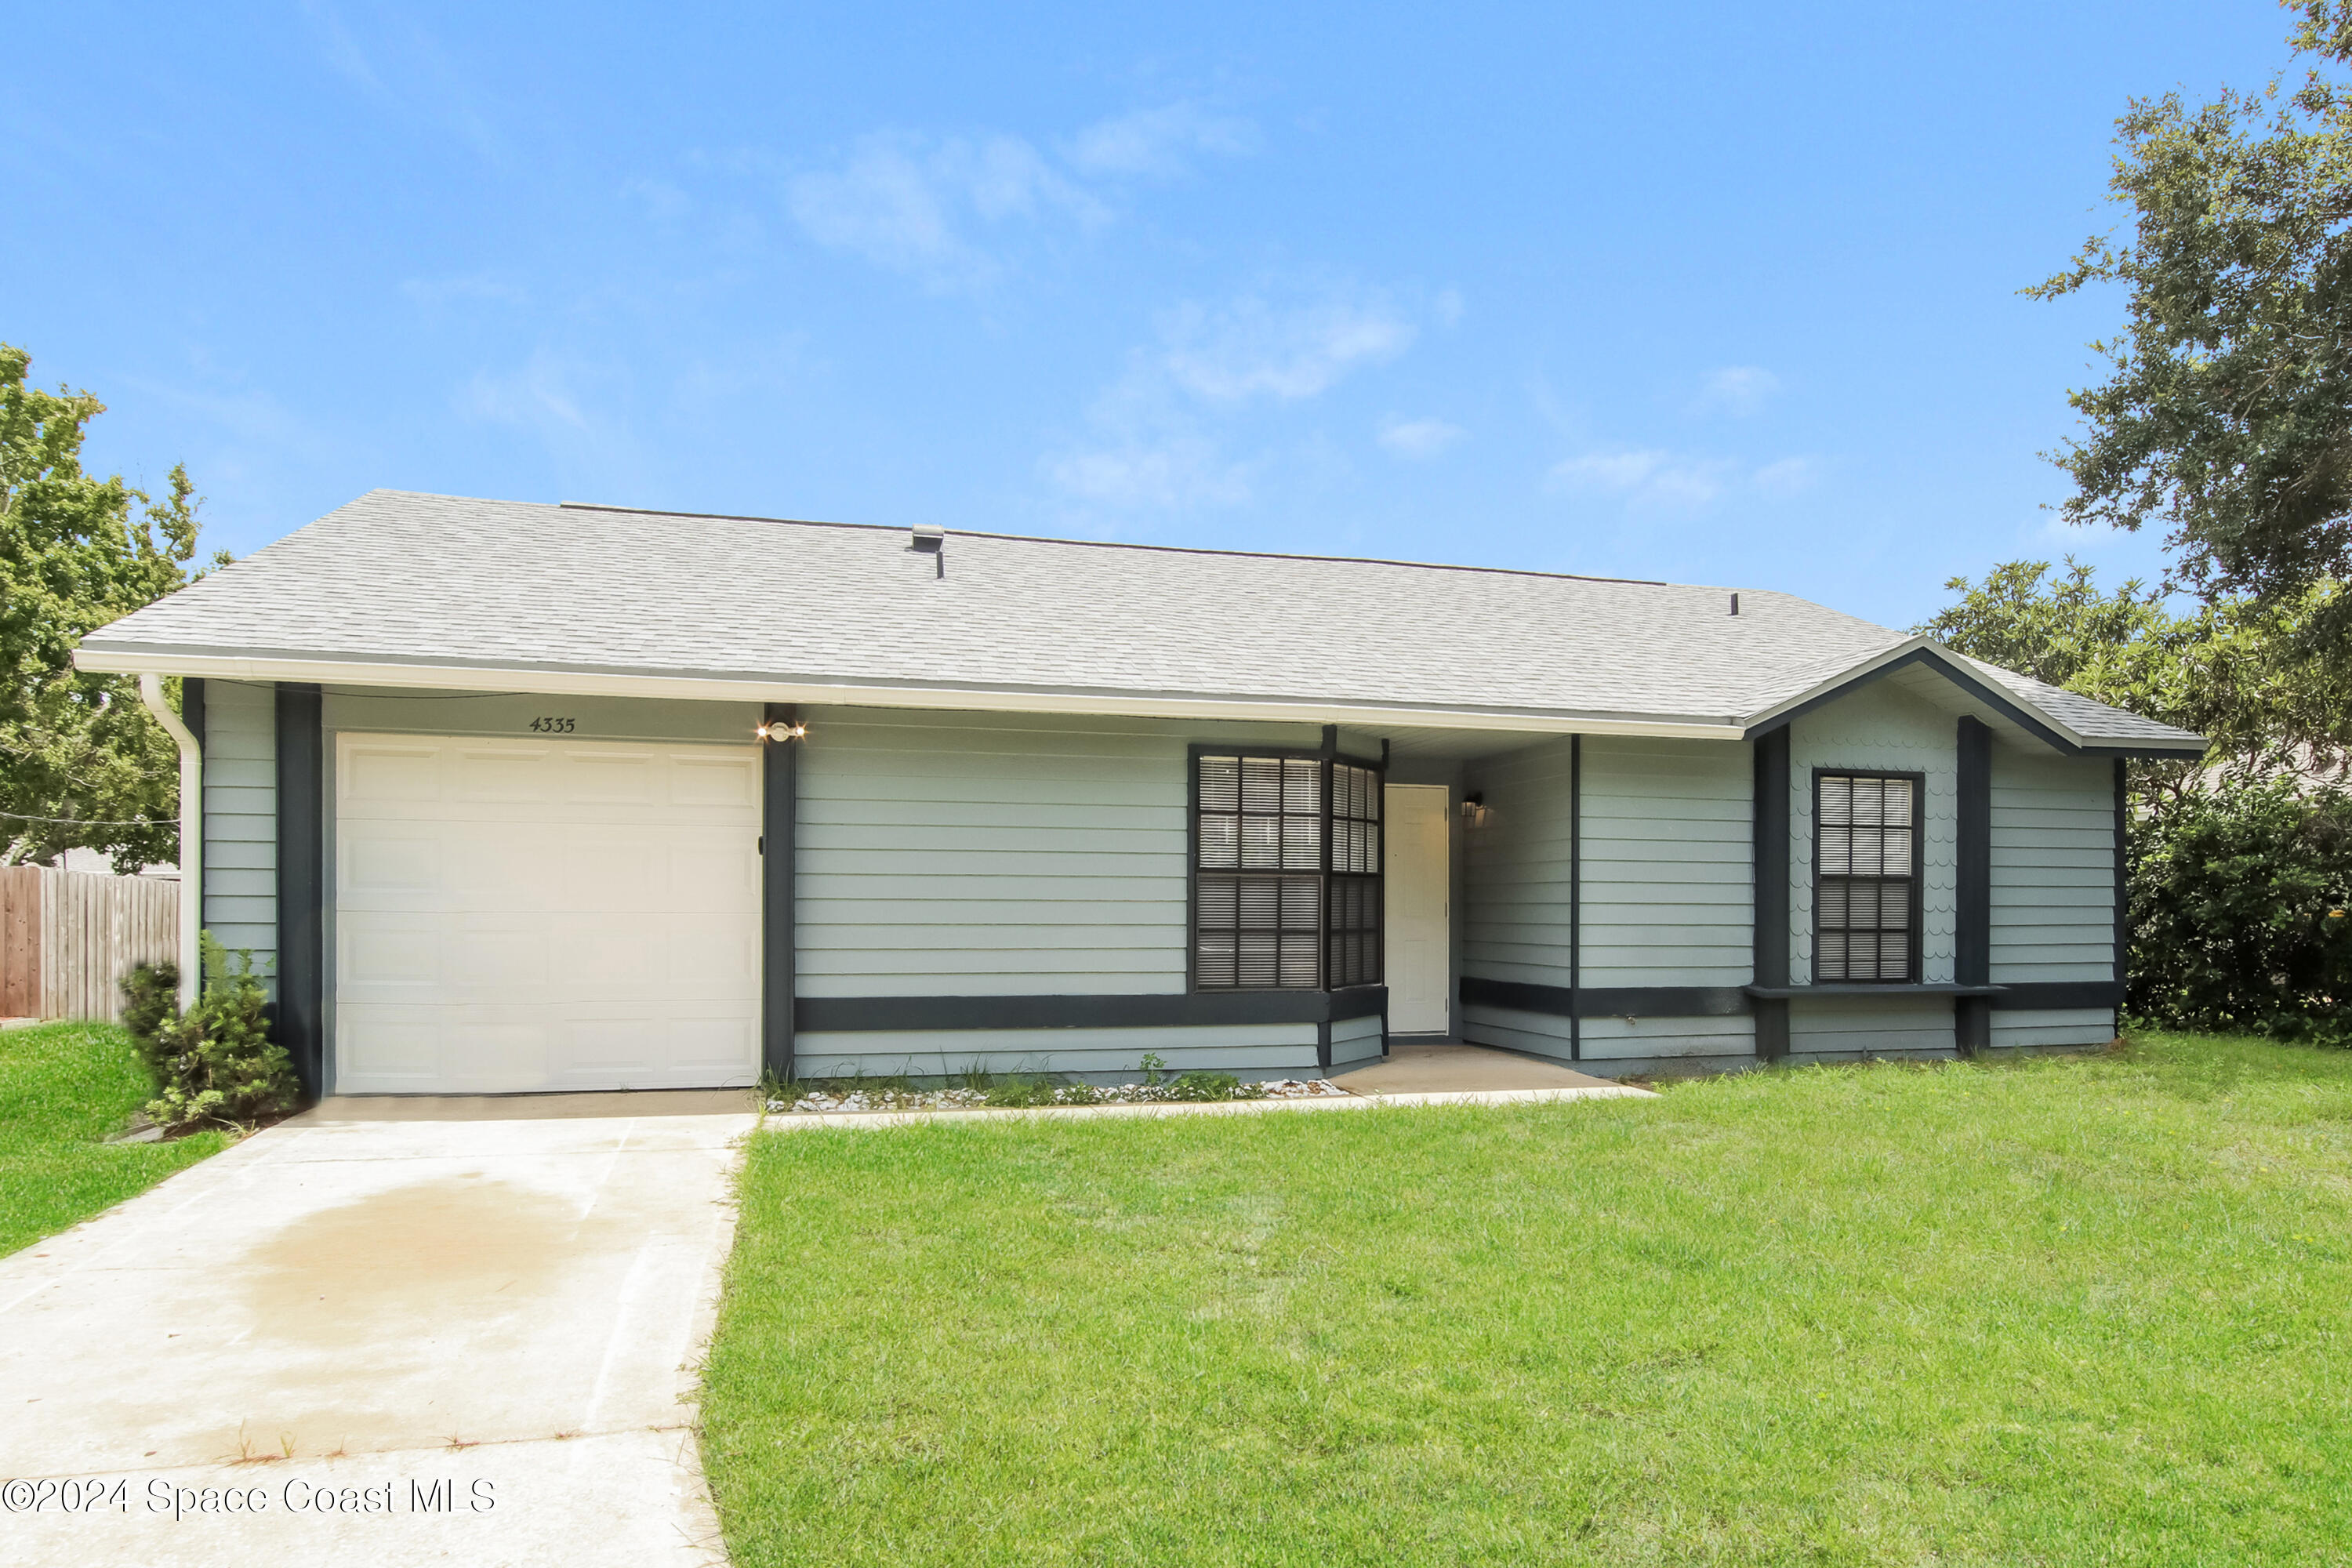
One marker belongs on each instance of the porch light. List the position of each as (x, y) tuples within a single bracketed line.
[(783, 731)]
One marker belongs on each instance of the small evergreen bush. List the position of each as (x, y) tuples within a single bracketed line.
[(218, 1064), (2240, 911)]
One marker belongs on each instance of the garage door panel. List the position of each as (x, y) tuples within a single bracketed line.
[(715, 958), (383, 774), (502, 777), (385, 862), (375, 951), (610, 778), (556, 915), (715, 782)]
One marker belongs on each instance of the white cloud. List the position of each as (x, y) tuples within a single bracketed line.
[(1788, 477), (912, 205), (1250, 349), (1646, 477), (1157, 140), (1176, 471), (1418, 438), (1161, 431), (537, 398), (1739, 389)]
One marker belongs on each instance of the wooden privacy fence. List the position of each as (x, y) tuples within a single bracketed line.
[(66, 938)]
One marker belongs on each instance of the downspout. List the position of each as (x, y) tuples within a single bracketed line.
[(192, 838)]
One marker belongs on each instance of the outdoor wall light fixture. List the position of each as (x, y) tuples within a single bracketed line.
[(783, 731), (1473, 808)]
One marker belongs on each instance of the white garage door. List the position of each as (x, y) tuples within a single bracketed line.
[(544, 915)]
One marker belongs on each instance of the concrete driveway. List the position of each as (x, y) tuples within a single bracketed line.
[(385, 1333)]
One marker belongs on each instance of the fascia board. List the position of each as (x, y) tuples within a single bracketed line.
[(715, 687), (2036, 720)]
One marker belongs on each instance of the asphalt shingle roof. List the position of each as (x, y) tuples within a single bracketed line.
[(401, 577)]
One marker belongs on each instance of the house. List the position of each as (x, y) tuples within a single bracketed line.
[(511, 797)]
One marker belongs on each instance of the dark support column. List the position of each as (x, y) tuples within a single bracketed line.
[(301, 884), (1770, 820), (2122, 891), (192, 714), (778, 840), (1972, 951), (1575, 893)]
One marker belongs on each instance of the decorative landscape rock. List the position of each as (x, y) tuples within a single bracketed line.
[(1033, 1095)]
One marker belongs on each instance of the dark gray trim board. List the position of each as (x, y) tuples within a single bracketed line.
[(818, 1015), (301, 883), (1769, 819), (2057, 995), (2122, 891), (1575, 892), (1972, 951), (192, 706), (1991, 696), (780, 761), (1872, 988), (1607, 1001)]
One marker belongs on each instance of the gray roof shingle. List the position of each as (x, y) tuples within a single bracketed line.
[(400, 577)]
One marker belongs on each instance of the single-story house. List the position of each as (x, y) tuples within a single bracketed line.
[(511, 797)]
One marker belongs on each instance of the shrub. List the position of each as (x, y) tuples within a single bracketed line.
[(216, 1064), (2240, 911)]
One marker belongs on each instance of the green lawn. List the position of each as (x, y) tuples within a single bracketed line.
[(2068, 1311), (63, 1088)]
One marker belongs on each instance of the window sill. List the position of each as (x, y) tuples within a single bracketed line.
[(1872, 988)]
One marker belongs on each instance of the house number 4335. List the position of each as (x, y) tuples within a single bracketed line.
[(551, 726)]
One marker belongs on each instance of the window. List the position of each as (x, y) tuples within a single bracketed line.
[(1866, 881), (1286, 862)]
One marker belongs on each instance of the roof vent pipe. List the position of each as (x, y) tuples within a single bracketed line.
[(925, 539), (1735, 603)]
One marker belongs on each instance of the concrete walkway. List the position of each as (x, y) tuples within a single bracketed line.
[(387, 1332), (1459, 1069)]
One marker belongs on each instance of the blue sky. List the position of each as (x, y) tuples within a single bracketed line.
[(1717, 293)]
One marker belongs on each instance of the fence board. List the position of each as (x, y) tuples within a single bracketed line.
[(66, 938), (20, 942)]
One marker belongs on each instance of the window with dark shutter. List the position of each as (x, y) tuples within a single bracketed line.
[(1286, 873), (1866, 878)]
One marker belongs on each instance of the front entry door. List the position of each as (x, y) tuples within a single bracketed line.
[(1418, 883)]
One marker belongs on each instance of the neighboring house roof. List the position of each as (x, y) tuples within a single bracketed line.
[(399, 588)]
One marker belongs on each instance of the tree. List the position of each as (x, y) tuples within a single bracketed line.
[(2227, 417), (2244, 674), (81, 761)]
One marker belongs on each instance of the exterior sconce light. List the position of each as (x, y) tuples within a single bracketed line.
[(1474, 809), (783, 731)]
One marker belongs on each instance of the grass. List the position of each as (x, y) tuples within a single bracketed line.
[(2063, 1310), (64, 1088)]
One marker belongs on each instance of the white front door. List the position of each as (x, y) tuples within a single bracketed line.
[(525, 914), (1418, 881)]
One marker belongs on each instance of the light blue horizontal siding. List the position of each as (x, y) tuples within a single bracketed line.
[(1101, 1056), (1608, 1041), (1354, 1042), (1843, 1028), (1668, 884), (1537, 1033), (240, 872), (2054, 1029), (970, 853), (1517, 874), (2053, 890)]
